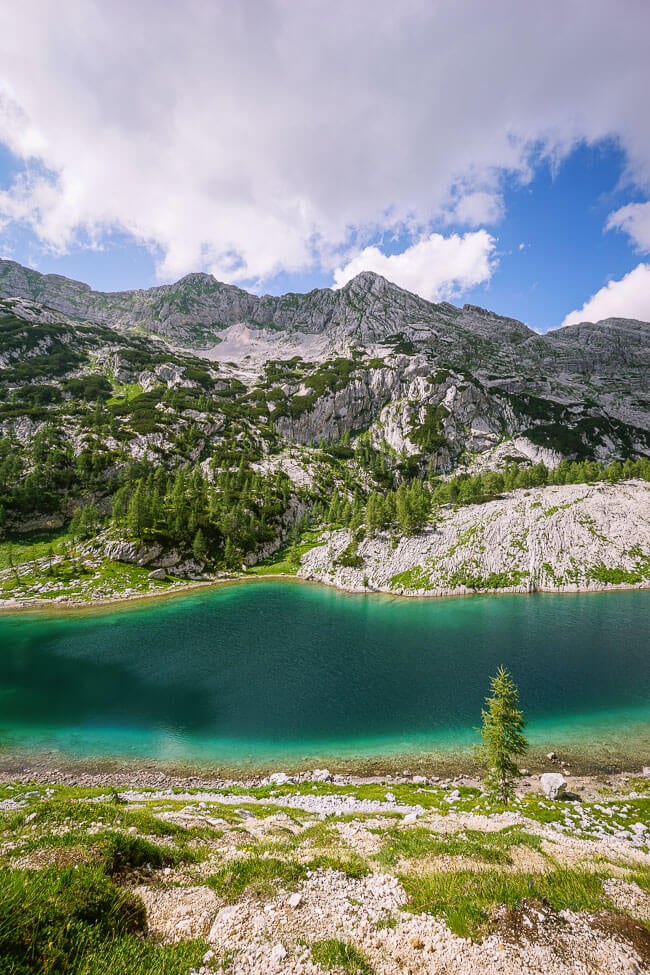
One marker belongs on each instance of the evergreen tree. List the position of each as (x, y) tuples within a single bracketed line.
[(199, 546), (502, 736)]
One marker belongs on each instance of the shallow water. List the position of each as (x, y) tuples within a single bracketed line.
[(272, 671)]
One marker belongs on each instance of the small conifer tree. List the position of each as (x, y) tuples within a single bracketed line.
[(503, 736), (199, 546)]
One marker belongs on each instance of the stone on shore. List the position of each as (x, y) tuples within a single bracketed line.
[(553, 785)]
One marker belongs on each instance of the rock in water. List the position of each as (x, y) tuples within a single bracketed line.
[(553, 785)]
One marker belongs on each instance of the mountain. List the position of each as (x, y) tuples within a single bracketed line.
[(208, 422)]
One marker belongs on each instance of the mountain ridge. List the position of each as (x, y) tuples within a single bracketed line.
[(58, 292)]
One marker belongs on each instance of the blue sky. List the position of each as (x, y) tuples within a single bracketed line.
[(493, 154)]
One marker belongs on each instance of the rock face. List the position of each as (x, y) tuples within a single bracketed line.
[(492, 374), (570, 538), (553, 785)]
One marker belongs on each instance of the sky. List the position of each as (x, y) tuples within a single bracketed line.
[(492, 153)]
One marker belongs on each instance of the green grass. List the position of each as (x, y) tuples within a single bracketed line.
[(352, 865), (77, 921), (49, 917), (413, 578), (419, 842), (87, 583), (257, 876), (342, 955), (132, 956), (465, 898), (20, 549), (61, 811), (286, 561)]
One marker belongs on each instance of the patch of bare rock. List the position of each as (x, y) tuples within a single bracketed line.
[(569, 538)]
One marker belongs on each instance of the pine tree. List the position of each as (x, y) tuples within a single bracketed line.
[(199, 546), (503, 737)]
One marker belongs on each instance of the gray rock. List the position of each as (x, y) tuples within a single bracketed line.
[(158, 574), (553, 785)]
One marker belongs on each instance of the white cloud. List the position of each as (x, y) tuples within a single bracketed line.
[(627, 298), (634, 219), (267, 135), (474, 209), (436, 268)]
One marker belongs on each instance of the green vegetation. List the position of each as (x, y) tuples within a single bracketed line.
[(115, 435), (419, 842), (430, 436), (465, 898), (259, 876), (502, 736), (414, 578), (341, 955), (77, 921), (617, 576), (76, 914), (466, 575)]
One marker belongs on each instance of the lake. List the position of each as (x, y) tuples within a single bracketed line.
[(270, 672)]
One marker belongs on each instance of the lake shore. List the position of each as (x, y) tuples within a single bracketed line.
[(63, 604), (574, 763)]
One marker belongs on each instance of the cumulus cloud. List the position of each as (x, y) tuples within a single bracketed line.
[(436, 268), (627, 298), (265, 136), (634, 219)]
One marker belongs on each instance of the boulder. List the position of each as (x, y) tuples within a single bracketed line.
[(553, 785), (321, 775), (280, 778), (278, 954), (158, 574)]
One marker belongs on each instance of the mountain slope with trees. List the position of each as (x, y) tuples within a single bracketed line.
[(128, 434)]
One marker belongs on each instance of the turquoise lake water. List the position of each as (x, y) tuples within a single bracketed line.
[(270, 671)]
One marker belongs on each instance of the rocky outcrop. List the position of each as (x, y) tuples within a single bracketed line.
[(570, 539)]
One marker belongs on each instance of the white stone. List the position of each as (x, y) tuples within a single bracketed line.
[(278, 953), (553, 785), (294, 900), (321, 775), (410, 819), (280, 778)]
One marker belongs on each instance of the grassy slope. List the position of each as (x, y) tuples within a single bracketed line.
[(69, 858)]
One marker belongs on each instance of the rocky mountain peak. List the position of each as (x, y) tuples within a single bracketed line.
[(368, 281), (199, 281)]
